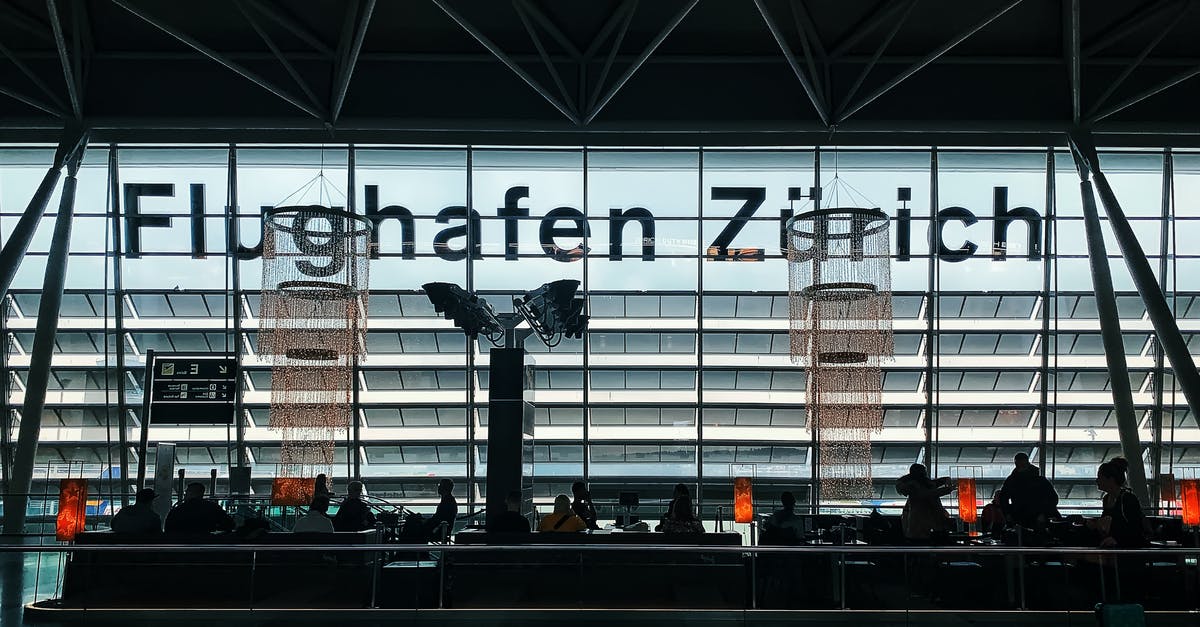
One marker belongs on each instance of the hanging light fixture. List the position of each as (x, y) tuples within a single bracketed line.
[(312, 323), (743, 500), (1189, 491), (294, 491), (72, 509), (967, 503), (840, 309)]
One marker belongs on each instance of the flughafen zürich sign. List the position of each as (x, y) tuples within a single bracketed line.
[(569, 223)]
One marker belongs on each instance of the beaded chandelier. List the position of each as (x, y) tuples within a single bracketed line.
[(312, 328), (840, 306)]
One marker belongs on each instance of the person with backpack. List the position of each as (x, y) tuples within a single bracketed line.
[(562, 519)]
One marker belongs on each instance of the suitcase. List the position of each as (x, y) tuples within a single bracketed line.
[(1120, 615)]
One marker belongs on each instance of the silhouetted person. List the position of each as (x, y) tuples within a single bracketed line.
[(682, 518), (197, 514), (353, 514), (1121, 527), (1121, 523), (680, 490), (582, 505), (139, 518), (562, 519), (316, 520), (511, 521), (446, 512), (321, 488), (784, 526), (1027, 498), (923, 513)]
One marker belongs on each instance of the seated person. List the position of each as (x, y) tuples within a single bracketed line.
[(139, 518), (582, 505), (316, 520), (682, 519), (680, 490), (784, 526), (511, 520), (353, 514), (197, 514), (563, 519)]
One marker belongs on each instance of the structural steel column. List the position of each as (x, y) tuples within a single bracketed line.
[(18, 243), (16, 500), (1110, 333), (114, 188), (234, 238), (1147, 285)]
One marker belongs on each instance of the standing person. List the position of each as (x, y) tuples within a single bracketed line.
[(321, 488), (1027, 498), (511, 521), (353, 513), (1121, 523), (562, 519), (924, 514), (1121, 527), (447, 510), (582, 505), (139, 518), (682, 518), (316, 520), (197, 514)]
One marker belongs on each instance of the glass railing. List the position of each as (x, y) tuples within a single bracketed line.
[(316, 572)]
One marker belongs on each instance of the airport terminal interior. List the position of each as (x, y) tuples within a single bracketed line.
[(752, 312)]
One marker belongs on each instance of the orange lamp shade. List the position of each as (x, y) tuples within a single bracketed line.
[(1189, 490), (743, 500), (967, 508), (292, 491), (72, 509)]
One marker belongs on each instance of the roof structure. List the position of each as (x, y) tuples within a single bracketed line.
[(618, 72)]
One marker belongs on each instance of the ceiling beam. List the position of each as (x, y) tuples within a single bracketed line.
[(1074, 57), (818, 103), (930, 58), (878, 53), (1133, 65), (219, 58), (814, 51), (1153, 91), (507, 61), (1125, 26), (291, 25), (23, 20), (550, 27), (287, 65), (32, 76), (613, 52), (522, 9), (365, 9), (637, 64), (882, 13), (607, 29), (33, 102), (68, 70)]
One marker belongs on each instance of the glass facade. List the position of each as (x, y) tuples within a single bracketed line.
[(684, 373)]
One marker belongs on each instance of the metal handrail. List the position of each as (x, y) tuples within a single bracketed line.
[(601, 548)]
